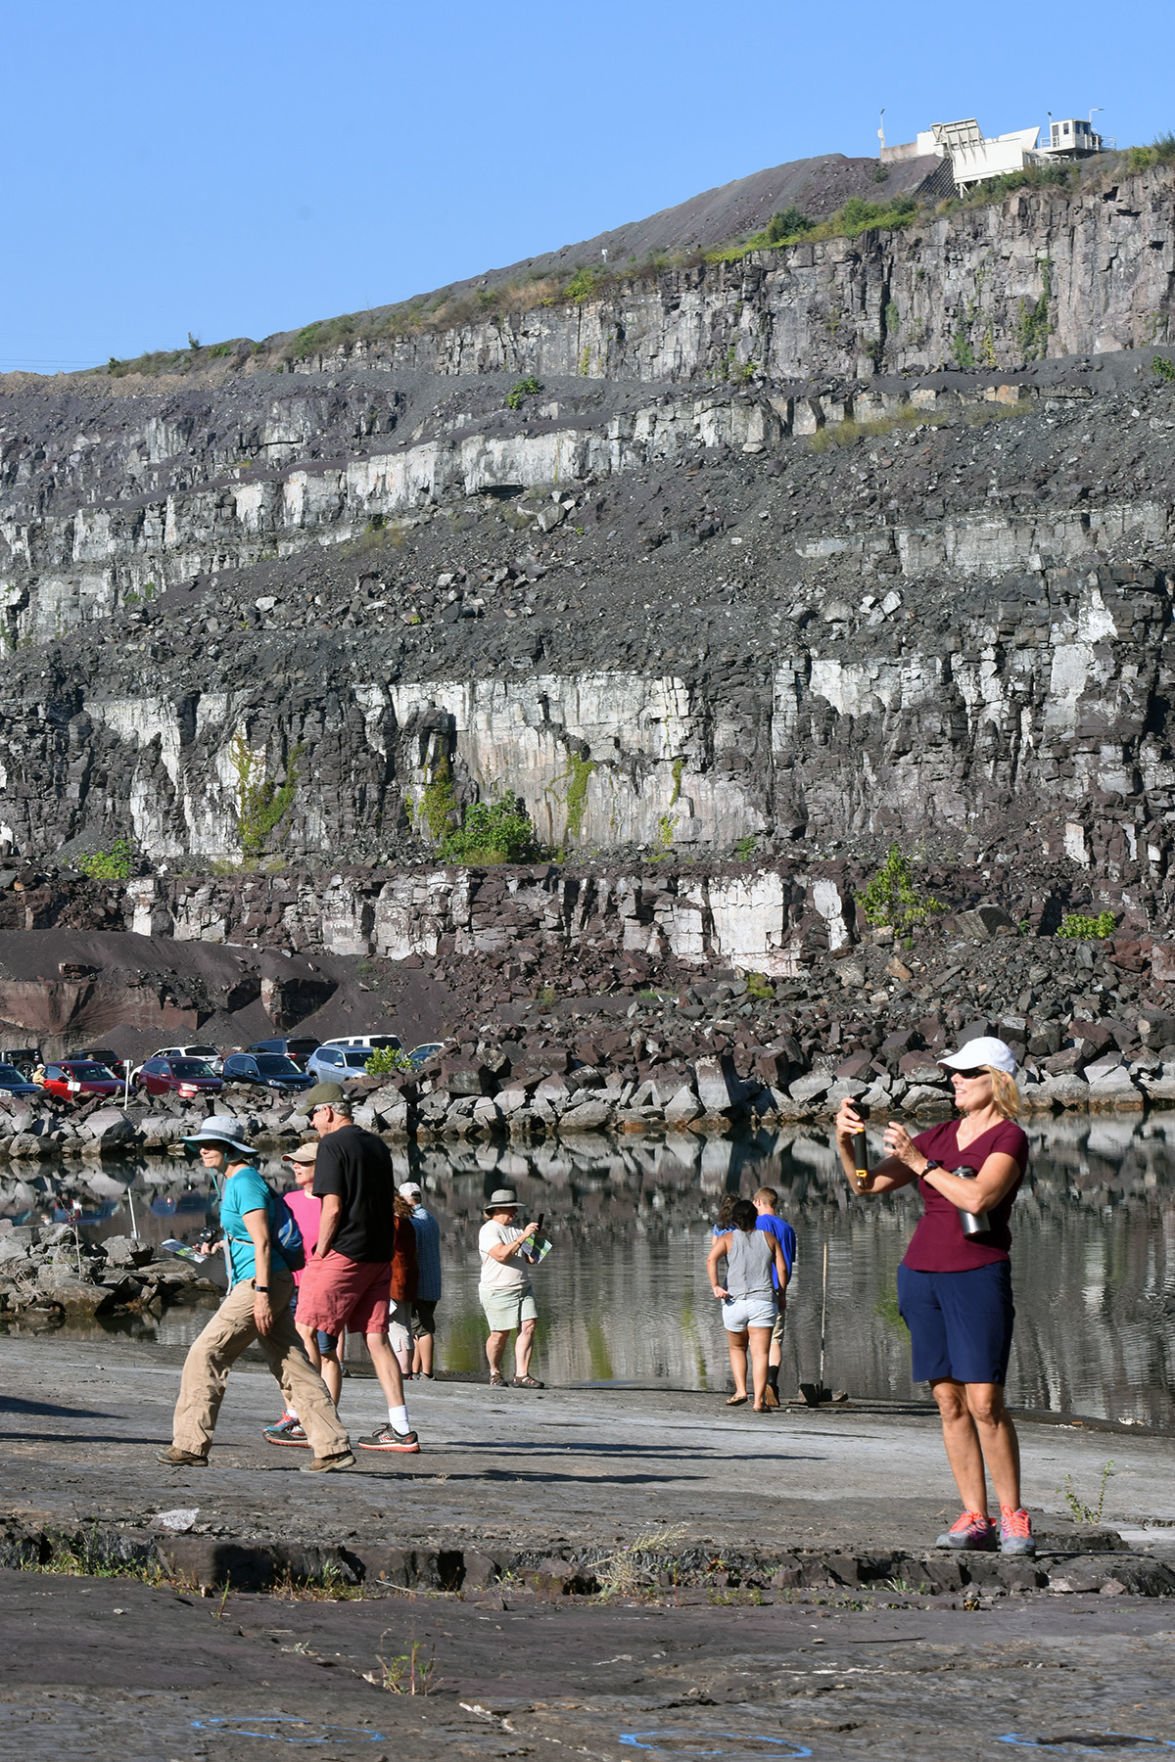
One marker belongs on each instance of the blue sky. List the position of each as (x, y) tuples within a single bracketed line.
[(233, 170)]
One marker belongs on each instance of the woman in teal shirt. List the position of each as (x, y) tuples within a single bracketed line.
[(257, 1308)]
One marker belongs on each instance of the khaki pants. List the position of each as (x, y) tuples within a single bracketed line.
[(212, 1355)]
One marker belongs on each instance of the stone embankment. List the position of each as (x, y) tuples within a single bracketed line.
[(725, 1051)]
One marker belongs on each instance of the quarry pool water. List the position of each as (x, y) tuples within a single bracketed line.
[(623, 1295)]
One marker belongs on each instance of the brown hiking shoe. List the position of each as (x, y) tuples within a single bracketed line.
[(173, 1457), (324, 1464)]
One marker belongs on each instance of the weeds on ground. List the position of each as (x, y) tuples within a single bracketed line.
[(1079, 1511), (87, 1555), (638, 1565), (405, 1673), (330, 1584)]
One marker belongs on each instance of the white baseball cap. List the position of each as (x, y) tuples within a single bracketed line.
[(987, 1050)]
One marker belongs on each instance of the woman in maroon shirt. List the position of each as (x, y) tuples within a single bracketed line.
[(954, 1284)]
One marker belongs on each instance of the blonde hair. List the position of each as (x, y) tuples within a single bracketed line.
[(1005, 1096)]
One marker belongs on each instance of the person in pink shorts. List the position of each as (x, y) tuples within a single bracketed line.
[(346, 1285)]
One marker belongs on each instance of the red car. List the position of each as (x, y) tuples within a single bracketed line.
[(186, 1077), (75, 1079)]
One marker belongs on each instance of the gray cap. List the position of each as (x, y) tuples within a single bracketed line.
[(502, 1199), (411, 1189), (220, 1128)]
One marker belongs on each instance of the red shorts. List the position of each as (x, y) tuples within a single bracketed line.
[(338, 1294)]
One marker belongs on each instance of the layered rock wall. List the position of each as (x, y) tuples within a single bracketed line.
[(953, 638)]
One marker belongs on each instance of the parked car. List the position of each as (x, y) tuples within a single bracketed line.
[(207, 1054), (188, 1077), (25, 1058), (367, 1042), (101, 1055), (337, 1064), (421, 1054), (14, 1082), (267, 1070), (299, 1048), (74, 1078)]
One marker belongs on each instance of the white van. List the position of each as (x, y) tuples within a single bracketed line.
[(365, 1042)]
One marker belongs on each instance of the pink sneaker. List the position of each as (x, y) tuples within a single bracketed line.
[(1016, 1531), (972, 1530)]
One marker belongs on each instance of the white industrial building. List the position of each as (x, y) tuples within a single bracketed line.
[(973, 156)]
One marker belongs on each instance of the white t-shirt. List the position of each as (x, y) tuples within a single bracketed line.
[(500, 1275)]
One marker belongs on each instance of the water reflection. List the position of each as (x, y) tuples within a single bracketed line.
[(624, 1296)]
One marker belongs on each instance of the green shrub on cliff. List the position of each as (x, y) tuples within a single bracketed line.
[(1086, 926), (893, 899), (530, 387), (262, 803), (115, 864), (491, 833)]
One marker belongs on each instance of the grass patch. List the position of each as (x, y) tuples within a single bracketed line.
[(850, 432)]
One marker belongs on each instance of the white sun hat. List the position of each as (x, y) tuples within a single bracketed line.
[(987, 1050)]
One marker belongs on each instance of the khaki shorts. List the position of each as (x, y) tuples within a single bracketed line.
[(507, 1310)]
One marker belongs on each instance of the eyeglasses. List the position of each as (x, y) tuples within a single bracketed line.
[(318, 1107), (971, 1075)]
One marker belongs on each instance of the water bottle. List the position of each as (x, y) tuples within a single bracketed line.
[(975, 1223)]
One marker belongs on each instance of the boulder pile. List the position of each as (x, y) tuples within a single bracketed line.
[(50, 1274)]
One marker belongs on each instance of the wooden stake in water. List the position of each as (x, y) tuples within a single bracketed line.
[(823, 1309)]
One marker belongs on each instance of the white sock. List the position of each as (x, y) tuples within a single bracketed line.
[(291, 1412), (399, 1418)]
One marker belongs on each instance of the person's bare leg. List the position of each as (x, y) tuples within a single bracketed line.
[(495, 1346), (422, 1356), (736, 1345), (331, 1372), (760, 1339), (997, 1440), (309, 1339), (523, 1346), (961, 1439), (387, 1369)]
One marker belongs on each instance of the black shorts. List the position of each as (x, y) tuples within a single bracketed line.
[(424, 1313)]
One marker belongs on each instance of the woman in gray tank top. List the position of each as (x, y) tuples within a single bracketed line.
[(748, 1298)]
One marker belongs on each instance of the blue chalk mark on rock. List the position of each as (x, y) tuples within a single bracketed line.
[(685, 1743), (310, 1731)]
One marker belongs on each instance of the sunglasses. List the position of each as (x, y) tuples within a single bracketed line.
[(971, 1075)]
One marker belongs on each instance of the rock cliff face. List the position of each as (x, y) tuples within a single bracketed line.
[(864, 539)]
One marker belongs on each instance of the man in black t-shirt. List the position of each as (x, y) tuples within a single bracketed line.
[(348, 1276)]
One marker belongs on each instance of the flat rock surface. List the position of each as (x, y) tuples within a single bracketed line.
[(587, 1467), (111, 1667)]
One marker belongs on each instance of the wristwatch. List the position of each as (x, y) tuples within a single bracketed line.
[(933, 1163), (265, 1288)]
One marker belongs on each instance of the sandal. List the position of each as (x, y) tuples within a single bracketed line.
[(736, 1400), (496, 1381), (527, 1383)]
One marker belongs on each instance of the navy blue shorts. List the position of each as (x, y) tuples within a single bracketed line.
[(960, 1323)]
